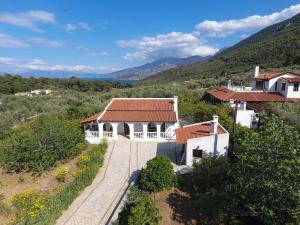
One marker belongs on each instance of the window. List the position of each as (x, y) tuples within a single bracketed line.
[(276, 84), (197, 153), (296, 87), (283, 87)]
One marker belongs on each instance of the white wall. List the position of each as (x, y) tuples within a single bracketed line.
[(290, 91), (212, 145), (244, 117)]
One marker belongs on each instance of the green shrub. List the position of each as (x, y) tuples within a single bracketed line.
[(139, 209), (39, 146), (61, 174), (56, 203), (158, 175)]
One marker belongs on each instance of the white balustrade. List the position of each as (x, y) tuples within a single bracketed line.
[(151, 135), (92, 134), (137, 135), (107, 134)]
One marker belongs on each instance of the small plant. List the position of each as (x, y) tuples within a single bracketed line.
[(4, 209), (27, 203), (20, 179), (158, 175), (83, 160), (61, 173)]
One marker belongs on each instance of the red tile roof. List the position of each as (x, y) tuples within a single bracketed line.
[(138, 110), (90, 119), (268, 76), (195, 131), (138, 116), (291, 80), (224, 94), (141, 105)]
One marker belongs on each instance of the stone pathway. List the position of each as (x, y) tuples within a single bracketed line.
[(95, 205)]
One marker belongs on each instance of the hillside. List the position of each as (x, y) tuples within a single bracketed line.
[(276, 46), (148, 69)]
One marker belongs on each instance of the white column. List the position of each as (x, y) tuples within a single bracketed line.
[(100, 129), (158, 130), (131, 130), (115, 130), (188, 155), (145, 130)]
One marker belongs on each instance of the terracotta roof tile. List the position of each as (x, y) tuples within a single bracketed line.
[(139, 116), (291, 80), (224, 94), (268, 76), (141, 104), (92, 118), (195, 131)]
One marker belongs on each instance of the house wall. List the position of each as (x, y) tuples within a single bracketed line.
[(212, 145), (244, 117), (290, 91)]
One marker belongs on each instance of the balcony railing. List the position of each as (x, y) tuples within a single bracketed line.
[(107, 134), (92, 134), (138, 135), (151, 135)]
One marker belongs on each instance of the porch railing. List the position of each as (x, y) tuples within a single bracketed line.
[(164, 135), (107, 134), (92, 134), (138, 135), (151, 135)]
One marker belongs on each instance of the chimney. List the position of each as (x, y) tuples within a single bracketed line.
[(214, 125), (229, 85), (256, 72), (243, 105), (175, 106)]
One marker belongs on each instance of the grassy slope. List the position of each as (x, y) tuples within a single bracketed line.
[(277, 46)]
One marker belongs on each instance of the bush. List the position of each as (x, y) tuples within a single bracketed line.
[(82, 161), (56, 203), (139, 209), (28, 204), (158, 175), (61, 174), (39, 146)]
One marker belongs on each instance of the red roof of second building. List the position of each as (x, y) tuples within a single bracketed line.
[(224, 94), (195, 131), (90, 119)]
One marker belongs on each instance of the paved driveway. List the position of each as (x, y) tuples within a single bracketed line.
[(122, 162)]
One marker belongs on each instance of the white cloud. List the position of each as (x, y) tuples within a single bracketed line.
[(174, 44), (38, 64), (95, 54), (79, 47), (84, 26), (224, 28), (7, 41), (7, 61), (244, 36), (70, 27), (47, 43), (30, 19)]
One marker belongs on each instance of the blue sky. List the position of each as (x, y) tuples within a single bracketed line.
[(99, 37)]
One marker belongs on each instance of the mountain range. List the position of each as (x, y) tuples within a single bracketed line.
[(134, 73), (273, 48)]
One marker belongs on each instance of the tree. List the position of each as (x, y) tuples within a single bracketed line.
[(139, 209), (265, 181), (158, 175)]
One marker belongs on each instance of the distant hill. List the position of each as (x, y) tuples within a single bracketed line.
[(276, 46), (57, 74), (140, 72)]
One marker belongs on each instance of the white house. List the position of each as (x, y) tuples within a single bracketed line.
[(248, 102), (147, 119), (198, 140), (285, 83)]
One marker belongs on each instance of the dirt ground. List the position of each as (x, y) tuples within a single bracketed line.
[(175, 207), (13, 183)]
